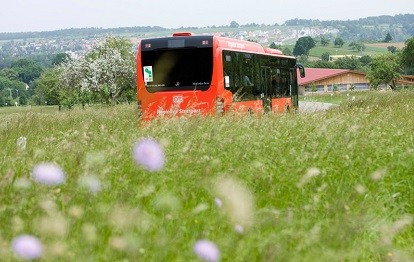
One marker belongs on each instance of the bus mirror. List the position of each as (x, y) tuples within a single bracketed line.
[(301, 70)]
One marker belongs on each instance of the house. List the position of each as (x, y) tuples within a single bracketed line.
[(325, 80), (406, 80)]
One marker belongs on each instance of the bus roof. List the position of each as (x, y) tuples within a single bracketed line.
[(247, 46), (232, 44)]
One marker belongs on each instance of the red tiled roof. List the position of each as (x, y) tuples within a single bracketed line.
[(317, 74)]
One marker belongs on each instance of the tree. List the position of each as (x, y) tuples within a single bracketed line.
[(60, 58), (287, 51), (11, 88), (12, 91), (388, 38), (407, 54), (9, 73), (106, 71), (365, 60), (339, 42), (351, 63), (303, 45), (274, 46), (357, 46), (392, 49), (384, 70), (234, 24), (27, 70), (47, 87), (322, 64), (324, 41), (325, 56)]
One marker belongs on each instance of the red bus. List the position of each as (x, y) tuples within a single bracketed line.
[(189, 75)]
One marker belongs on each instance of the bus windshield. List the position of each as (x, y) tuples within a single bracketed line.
[(185, 68)]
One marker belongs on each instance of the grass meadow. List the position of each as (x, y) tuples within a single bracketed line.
[(370, 49), (336, 185)]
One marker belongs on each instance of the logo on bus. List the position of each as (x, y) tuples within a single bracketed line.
[(178, 99)]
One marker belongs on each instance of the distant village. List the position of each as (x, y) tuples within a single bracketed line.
[(280, 37), (78, 46)]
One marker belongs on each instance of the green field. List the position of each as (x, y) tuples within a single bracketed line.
[(325, 186), (370, 50)]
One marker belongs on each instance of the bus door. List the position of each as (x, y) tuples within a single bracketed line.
[(294, 92), (282, 88), (266, 88)]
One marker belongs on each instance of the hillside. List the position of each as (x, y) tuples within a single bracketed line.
[(400, 27), (43, 46), (372, 28)]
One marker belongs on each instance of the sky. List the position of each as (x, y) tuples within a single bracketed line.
[(47, 15)]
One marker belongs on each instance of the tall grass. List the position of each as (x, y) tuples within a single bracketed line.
[(322, 186)]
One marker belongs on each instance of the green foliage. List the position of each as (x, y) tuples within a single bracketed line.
[(339, 42), (392, 49), (384, 70), (325, 56), (352, 63), (234, 24), (321, 64), (60, 59), (9, 74), (303, 45), (324, 41), (274, 46), (48, 88), (327, 186), (11, 88), (27, 70), (407, 54), (287, 51), (357, 46), (388, 38), (365, 60)]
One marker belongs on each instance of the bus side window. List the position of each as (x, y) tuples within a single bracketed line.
[(228, 71), (285, 82), (238, 73), (277, 83)]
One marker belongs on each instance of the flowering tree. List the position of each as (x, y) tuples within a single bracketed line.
[(106, 71)]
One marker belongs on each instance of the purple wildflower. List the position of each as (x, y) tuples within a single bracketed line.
[(27, 247), (48, 174), (149, 154), (207, 251)]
